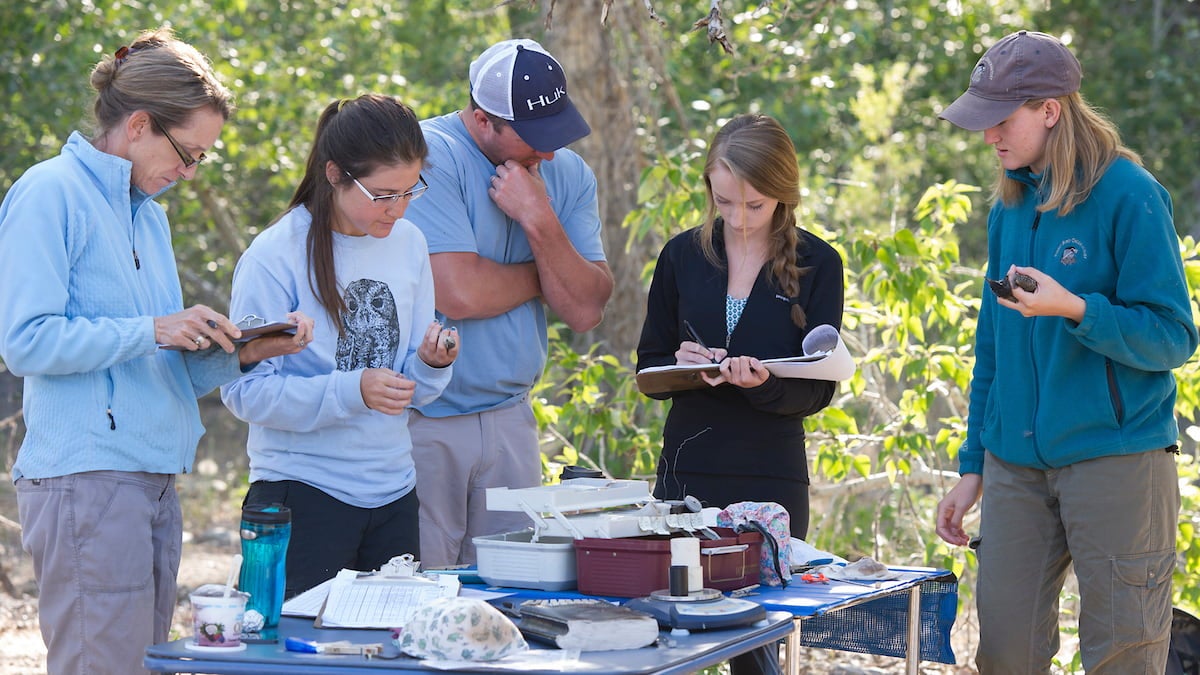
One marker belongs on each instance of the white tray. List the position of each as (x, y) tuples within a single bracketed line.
[(514, 560), (576, 494)]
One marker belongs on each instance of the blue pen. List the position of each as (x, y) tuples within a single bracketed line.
[(696, 338)]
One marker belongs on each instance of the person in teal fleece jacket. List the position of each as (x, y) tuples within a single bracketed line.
[(90, 295), (1071, 431)]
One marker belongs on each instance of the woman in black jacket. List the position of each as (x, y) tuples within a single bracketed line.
[(751, 285), (746, 285)]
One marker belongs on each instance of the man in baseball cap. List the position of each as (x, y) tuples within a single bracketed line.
[(1021, 67), (513, 226)]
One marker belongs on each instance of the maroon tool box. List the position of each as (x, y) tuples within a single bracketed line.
[(632, 567)]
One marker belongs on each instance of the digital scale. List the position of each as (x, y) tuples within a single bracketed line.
[(698, 610)]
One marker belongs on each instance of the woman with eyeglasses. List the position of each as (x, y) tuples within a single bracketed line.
[(329, 428), (91, 294)]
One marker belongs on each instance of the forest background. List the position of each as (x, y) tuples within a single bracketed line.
[(858, 84)]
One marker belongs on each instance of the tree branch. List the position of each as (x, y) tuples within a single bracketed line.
[(920, 476), (715, 23), (227, 229), (206, 293)]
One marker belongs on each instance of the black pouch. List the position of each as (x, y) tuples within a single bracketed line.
[(1184, 656)]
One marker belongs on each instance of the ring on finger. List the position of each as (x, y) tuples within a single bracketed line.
[(199, 340)]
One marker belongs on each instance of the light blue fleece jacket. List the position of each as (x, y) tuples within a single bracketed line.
[(308, 421), (1048, 392), (85, 265)]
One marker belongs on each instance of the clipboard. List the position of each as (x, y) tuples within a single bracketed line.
[(667, 379), (249, 334), (834, 364), (261, 328)]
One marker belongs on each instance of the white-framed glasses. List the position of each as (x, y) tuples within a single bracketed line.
[(416, 191)]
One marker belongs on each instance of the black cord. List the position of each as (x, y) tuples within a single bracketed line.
[(768, 540)]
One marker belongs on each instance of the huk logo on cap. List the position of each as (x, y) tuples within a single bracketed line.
[(544, 101)]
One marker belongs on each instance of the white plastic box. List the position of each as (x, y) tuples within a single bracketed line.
[(512, 560), (543, 557)]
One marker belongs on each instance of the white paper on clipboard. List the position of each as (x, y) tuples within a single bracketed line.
[(834, 364), (356, 600)]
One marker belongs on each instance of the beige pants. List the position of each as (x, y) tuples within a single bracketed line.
[(457, 459), (106, 547), (1114, 519)]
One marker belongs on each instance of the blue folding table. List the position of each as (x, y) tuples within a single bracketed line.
[(673, 654), (879, 618)]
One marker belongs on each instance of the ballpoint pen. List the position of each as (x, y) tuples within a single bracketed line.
[(696, 338)]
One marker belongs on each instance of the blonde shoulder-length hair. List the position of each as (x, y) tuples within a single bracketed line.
[(1079, 150)]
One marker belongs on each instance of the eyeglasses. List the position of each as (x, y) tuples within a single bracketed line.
[(416, 191), (188, 160)]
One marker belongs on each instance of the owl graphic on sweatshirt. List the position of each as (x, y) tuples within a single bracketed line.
[(371, 332)]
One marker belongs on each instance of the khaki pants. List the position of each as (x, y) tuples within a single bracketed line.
[(458, 458), (1114, 519), (106, 548)]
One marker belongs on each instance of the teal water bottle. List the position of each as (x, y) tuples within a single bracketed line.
[(265, 533)]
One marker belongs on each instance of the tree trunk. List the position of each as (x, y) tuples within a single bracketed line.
[(599, 88)]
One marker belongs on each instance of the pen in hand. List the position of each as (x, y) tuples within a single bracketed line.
[(696, 338)]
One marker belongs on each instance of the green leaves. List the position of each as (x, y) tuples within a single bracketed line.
[(591, 413)]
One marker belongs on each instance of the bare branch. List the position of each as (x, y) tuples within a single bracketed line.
[(715, 23), (207, 293), (222, 218), (8, 524), (11, 420), (919, 476), (653, 14)]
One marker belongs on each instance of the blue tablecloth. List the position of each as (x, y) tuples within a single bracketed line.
[(870, 620), (867, 619)]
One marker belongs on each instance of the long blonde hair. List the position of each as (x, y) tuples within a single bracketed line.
[(1078, 151), (756, 149)]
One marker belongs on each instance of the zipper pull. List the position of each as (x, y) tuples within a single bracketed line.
[(136, 262), (112, 422)]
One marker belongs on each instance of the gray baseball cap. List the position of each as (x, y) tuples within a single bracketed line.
[(1020, 67)]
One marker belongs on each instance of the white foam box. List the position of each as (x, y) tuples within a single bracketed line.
[(547, 562), (512, 559)]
